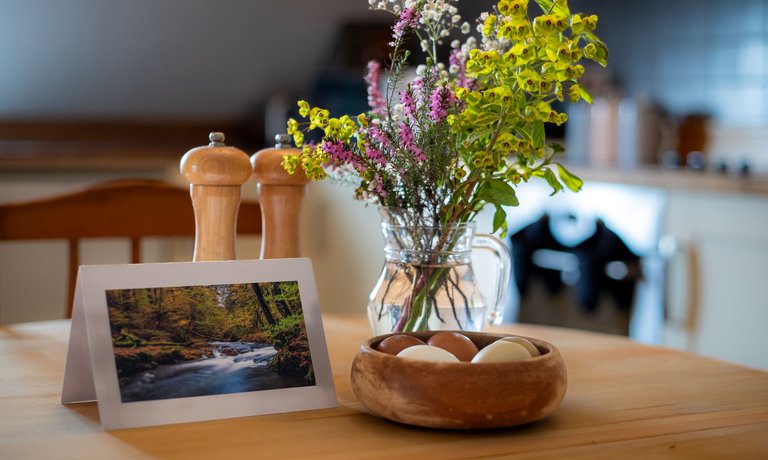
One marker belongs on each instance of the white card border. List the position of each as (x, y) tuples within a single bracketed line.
[(115, 414)]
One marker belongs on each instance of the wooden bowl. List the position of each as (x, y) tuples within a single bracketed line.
[(459, 395)]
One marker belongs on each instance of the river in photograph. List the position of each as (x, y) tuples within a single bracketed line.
[(234, 367)]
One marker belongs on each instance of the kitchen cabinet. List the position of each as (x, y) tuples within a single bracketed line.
[(717, 296)]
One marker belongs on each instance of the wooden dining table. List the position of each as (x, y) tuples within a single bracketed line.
[(624, 400)]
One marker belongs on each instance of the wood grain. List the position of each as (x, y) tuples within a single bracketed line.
[(624, 400), (215, 173), (281, 195)]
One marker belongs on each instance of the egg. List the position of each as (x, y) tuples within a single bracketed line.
[(501, 351), (458, 344), (531, 348), (394, 344), (428, 353)]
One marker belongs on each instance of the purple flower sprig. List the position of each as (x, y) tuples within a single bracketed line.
[(375, 100), (409, 18)]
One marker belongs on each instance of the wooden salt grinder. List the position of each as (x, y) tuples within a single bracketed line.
[(280, 196), (215, 173)]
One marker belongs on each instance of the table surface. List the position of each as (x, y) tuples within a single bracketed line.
[(624, 400)]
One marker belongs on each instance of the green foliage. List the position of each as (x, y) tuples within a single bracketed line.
[(289, 337), (163, 325)]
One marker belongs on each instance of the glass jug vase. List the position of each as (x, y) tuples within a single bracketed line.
[(428, 283)]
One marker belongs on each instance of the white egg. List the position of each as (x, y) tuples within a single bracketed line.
[(428, 353), (532, 350), (501, 351)]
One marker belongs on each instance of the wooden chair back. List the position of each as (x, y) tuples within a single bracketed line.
[(132, 209)]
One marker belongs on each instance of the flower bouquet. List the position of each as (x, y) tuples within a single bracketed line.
[(432, 152)]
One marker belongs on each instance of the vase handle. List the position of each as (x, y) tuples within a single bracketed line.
[(499, 249)]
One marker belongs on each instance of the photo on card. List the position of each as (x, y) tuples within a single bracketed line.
[(181, 342), (177, 342)]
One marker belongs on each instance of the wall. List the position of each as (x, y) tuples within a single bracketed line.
[(162, 59), (695, 56), (691, 55)]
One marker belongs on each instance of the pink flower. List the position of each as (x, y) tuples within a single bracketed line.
[(376, 156), (378, 186), (378, 136), (409, 105), (337, 151), (375, 99), (406, 137), (418, 87), (455, 60), (408, 19), (439, 103)]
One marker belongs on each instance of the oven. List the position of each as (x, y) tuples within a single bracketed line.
[(589, 260)]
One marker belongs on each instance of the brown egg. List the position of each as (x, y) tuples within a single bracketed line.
[(396, 343), (458, 344)]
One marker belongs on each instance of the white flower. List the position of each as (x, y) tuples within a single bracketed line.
[(469, 45), (455, 44), (465, 28)]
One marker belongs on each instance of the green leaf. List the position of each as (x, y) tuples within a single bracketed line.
[(601, 51), (500, 220), (573, 183), (551, 179), (556, 148), (545, 5), (585, 94), (560, 6), (537, 136), (577, 25), (497, 192)]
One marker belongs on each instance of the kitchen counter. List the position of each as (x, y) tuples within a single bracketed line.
[(654, 176)]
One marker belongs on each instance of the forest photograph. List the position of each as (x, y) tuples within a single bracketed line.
[(177, 342)]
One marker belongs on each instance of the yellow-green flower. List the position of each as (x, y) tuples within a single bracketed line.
[(298, 138), (514, 8), (303, 108), (515, 29), (520, 54), (489, 24), (292, 127), (290, 163), (529, 80)]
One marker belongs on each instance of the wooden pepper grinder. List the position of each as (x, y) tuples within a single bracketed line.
[(215, 173), (280, 196)]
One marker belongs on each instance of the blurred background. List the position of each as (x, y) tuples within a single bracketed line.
[(674, 151)]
